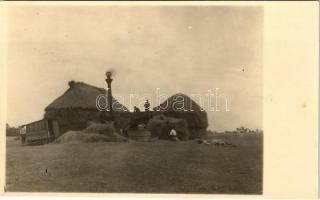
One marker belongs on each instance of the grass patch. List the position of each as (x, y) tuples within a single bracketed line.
[(137, 167)]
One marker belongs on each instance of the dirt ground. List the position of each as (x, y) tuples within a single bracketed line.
[(137, 167)]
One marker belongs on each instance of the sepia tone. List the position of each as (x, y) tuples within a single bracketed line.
[(159, 132), (190, 74)]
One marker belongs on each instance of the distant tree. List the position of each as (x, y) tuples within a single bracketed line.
[(11, 131), (147, 105), (242, 130), (136, 109), (258, 131)]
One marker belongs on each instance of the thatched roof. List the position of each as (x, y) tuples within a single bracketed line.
[(82, 95), (179, 102)]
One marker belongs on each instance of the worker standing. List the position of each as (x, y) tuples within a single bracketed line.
[(173, 135), (23, 131)]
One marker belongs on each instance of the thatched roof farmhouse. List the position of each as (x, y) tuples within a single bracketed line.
[(82, 95), (77, 106)]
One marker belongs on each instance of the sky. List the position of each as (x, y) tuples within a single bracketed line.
[(177, 49)]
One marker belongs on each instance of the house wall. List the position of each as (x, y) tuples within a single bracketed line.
[(73, 119), (77, 118)]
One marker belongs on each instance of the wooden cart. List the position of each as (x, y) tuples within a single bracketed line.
[(42, 131)]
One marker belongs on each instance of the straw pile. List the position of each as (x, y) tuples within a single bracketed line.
[(95, 132), (161, 125)]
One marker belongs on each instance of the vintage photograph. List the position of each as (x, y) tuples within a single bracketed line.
[(135, 99)]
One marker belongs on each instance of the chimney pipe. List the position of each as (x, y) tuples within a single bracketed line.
[(109, 80)]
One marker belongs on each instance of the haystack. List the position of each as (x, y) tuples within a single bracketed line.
[(95, 132), (105, 128), (160, 126), (183, 107)]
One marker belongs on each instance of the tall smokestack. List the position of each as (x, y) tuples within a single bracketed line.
[(109, 80)]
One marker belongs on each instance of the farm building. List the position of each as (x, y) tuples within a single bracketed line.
[(77, 106)]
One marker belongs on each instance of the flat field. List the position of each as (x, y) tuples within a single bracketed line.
[(137, 167)]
